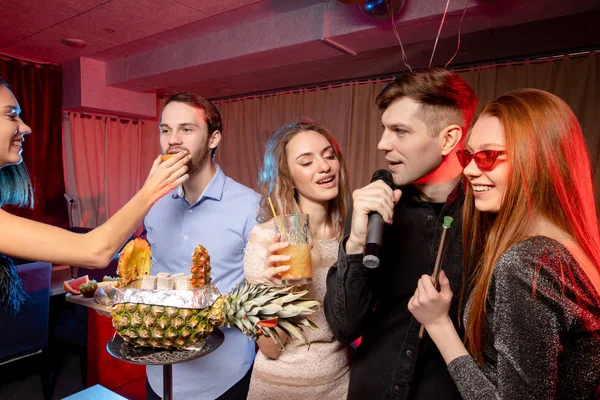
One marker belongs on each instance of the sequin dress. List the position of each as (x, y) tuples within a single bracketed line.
[(537, 346), (319, 372)]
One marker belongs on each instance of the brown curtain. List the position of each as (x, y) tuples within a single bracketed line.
[(349, 113), (38, 89)]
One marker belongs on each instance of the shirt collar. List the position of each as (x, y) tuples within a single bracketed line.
[(214, 189), (411, 194)]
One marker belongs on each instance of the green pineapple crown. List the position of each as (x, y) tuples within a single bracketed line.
[(258, 309)]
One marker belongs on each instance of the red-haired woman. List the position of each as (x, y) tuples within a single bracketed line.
[(531, 236)]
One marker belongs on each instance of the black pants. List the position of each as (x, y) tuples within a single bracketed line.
[(239, 391)]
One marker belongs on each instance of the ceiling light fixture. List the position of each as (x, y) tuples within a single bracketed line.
[(75, 43)]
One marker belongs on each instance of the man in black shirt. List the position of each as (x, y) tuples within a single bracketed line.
[(425, 119)]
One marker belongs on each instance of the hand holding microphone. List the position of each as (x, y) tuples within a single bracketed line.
[(373, 206), (375, 224)]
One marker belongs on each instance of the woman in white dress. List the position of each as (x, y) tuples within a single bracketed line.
[(303, 172)]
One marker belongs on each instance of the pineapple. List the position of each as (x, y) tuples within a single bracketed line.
[(200, 268), (135, 261), (253, 309)]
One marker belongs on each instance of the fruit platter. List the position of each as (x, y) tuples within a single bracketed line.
[(180, 311), (82, 290)]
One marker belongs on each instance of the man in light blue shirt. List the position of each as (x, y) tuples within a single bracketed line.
[(217, 212)]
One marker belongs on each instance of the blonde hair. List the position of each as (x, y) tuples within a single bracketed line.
[(275, 180)]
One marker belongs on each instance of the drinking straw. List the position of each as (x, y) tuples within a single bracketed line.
[(436, 269), (275, 216)]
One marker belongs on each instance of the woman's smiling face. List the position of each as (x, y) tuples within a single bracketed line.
[(488, 186), (12, 128)]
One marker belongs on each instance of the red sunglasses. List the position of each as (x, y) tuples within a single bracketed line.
[(484, 159)]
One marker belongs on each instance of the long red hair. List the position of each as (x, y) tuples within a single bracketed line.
[(549, 175)]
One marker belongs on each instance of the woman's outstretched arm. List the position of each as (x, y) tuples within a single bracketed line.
[(23, 238)]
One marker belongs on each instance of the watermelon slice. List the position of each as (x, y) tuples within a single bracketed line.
[(72, 286)]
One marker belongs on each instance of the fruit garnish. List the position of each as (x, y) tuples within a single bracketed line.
[(88, 289), (72, 285), (200, 267), (165, 157), (135, 261)]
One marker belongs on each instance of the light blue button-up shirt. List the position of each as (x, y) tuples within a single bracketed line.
[(220, 220)]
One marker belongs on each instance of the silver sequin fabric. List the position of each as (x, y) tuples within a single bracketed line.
[(542, 329)]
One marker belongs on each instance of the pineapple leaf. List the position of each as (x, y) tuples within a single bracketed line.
[(303, 321), (308, 303), (243, 298), (249, 326), (309, 323), (238, 324), (293, 330), (272, 333), (292, 310), (270, 309), (277, 291), (252, 312), (258, 301), (288, 298), (288, 311)]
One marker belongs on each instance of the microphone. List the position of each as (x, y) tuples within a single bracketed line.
[(375, 225)]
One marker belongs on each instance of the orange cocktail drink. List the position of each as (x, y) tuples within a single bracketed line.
[(300, 263), (294, 230)]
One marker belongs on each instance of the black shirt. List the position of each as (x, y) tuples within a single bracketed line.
[(437, 208), (391, 362)]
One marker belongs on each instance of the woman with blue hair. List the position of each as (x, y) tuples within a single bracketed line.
[(23, 238)]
